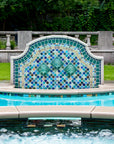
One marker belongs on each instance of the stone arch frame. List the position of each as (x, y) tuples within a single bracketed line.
[(93, 64)]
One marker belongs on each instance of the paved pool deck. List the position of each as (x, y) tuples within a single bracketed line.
[(19, 112)]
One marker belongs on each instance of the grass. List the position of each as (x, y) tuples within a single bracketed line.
[(109, 72), (5, 72)]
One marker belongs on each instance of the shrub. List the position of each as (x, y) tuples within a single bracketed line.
[(13, 44), (3, 44)]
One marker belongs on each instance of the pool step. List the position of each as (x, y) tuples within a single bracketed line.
[(54, 118)]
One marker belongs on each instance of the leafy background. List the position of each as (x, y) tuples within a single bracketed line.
[(57, 15)]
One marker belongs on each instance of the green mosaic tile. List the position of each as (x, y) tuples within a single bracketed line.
[(39, 44), (16, 62), (98, 62), (42, 43), (78, 45), (64, 41), (60, 41), (43, 69), (35, 45), (97, 65), (97, 69), (68, 42), (57, 63), (53, 40), (97, 73), (49, 41), (70, 69), (97, 80), (31, 50), (71, 43), (16, 69), (57, 40), (97, 76)]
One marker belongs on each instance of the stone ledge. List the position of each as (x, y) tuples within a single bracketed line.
[(8, 112), (103, 112), (19, 112), (56, 92), (54, 111)]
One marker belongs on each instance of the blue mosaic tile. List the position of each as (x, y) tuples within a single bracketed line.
[(57, 63)]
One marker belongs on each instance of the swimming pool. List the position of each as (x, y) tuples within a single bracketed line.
[(99, 133), (102, 99)]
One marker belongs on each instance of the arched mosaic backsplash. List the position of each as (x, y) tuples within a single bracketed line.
[(56, 62)]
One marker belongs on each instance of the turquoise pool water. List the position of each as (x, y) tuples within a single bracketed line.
[(105, 99)]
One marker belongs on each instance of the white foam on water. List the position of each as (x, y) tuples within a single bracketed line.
[(51, 139)]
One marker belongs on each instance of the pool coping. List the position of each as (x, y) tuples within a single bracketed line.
[(101, 89), (20, 112)]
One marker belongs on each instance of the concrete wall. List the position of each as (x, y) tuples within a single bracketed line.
[(5, 57), (105, 42), (23, 38)]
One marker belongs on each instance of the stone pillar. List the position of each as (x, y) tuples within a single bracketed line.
[(77, 36), (8, 43), (105, 43), (23, 38), (88, 40)]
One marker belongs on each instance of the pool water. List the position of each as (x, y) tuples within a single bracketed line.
[(53, 135), (24, 99)]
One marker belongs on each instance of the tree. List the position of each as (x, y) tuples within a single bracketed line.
[(57, 15)]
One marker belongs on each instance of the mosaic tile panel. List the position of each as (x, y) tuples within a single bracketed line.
[(57, 63)]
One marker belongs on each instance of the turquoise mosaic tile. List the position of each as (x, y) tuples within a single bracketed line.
[(70, 69), (57, 63), (43, 69)]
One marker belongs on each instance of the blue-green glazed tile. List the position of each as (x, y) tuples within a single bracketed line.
[(60, 41), (57, 40), (64, 40), (53, 41), (78, 45)]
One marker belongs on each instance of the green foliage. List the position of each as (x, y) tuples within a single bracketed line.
[(60, 15), (82, 37), (13, 44), (2, 45), (62, 24), (94, 40)]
